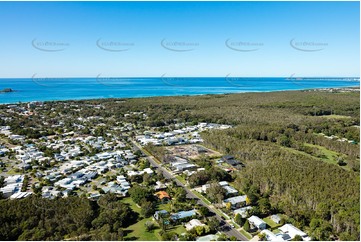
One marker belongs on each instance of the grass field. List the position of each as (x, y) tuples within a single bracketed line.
[(334, 116), (132, 204), (330, 156), (181, 179), (270, 223), (137, 232), (165, 206), (245, 233), (13, 172), (202, 198)]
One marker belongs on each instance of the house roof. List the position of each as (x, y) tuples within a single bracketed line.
[(256, 220), (193, 223), (183, 214), (161, 212), (292, 230), (242, 211), (275, 217), (235, 200), (210, 237), (162, 194), (230, 189), (271, 236)]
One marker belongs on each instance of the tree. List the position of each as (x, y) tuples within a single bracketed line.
[(246, 226), (170, 236), (239, 220), (138, 194), (262, 236), (201, 230), (213, 224), (187, 236), (181, 195), (248, 201), (320, 229), (297, 238), (216, 193), (149, 226), (204, 211), (199, 178), (228, 206), (264, 206), (147, 208), (222, 237), (2, 181), (253, 194)]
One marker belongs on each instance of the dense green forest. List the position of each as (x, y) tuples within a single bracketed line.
[(279, 136), (74, 218)]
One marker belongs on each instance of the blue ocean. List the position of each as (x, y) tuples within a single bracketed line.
[(49, 89)]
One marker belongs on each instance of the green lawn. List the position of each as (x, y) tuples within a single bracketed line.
[(13, 172), (330, 156), (334, 116), (132, 204), (271, 223), (328, 153), (179, 229), (164, 206), (181, 179), (137, 231), (245, 233), (201, 197)]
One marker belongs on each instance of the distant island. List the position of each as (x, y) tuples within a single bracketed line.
[(5, 90)]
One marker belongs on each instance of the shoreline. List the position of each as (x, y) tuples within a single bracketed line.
[(327, 89)]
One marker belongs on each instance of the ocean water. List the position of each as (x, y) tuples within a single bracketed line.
[(47, 89)]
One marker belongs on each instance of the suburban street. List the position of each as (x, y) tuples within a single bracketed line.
[(227, 229)]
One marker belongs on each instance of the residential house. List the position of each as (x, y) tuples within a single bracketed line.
[(193, 223), (159, 186), (159, 214), (163, 196), (19, 195), (274, 237), (186, 166), (242, 211), (230, 190), (183, 214), (256, 222), (275, 218), (209, 237), (292, 231), (236, 202)]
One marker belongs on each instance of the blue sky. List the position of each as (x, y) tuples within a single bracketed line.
[(264, 39)]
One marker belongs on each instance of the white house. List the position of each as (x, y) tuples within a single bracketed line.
[(274, 237), (193, 223), (242, 211), (292, 231), (275, 218), (257, 222), (236, 202)]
